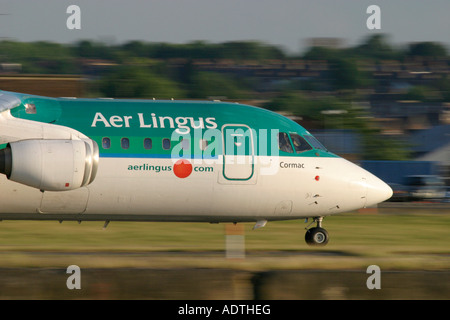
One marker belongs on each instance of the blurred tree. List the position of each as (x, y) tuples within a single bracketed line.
[(211, 84), (235, 50), (39, 57), (420, 93), (311, 109), (322, 53), (377, 47), (381, 147), (427, 49), (134, 82), (443, 86), (135, 48), (94, 50), (289, 101), (250, 50), (346, 75)]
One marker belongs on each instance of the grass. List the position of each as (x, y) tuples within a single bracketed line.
[(402, 241)]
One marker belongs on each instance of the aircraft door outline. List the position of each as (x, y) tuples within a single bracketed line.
[(238, 152)]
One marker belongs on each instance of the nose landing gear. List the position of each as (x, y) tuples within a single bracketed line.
[(316, 236)]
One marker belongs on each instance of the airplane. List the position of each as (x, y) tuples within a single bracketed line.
[(80, 159)]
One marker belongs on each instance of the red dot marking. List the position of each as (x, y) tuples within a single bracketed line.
[(182, 168), (317, 178)]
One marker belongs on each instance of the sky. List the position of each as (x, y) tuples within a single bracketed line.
[(285, 23)]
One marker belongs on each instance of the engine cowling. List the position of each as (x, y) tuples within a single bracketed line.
[(50, 165)]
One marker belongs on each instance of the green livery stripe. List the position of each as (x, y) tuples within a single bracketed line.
[(200, 122)]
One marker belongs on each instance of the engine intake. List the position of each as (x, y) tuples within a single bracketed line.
[(50, 165)]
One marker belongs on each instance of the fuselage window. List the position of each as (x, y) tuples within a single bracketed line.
[(284, 143), (203, 144), (166, 144), (125, 143), (185, 144), (300, 144), (106, 143), (147, 143)]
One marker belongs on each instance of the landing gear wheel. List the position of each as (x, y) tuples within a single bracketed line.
[(316, 236)]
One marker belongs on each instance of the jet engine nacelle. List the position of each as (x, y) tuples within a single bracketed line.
[(50, 165)]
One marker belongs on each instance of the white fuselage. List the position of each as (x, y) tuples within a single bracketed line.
[(147, 189)]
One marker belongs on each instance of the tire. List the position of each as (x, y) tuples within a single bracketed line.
[(316, 237)]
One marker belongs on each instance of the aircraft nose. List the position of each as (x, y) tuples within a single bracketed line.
[(377, 190)]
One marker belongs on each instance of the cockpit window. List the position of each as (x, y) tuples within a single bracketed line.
[(300, 145), (283, 142), (314, 142)]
